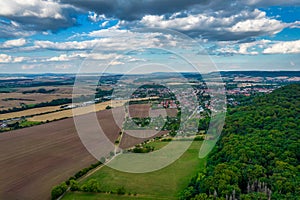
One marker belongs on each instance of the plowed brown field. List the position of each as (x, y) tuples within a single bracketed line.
[(34, 159)]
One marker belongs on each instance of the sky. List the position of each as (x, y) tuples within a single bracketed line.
[(66, 36)]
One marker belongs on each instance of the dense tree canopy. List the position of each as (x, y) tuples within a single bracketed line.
[(258, 154)]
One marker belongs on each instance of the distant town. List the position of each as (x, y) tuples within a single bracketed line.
[(25, 98)]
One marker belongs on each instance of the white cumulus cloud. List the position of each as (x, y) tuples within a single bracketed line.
[(78, 56), (4, 58), (283, 47), (217, 25), (13, 43)]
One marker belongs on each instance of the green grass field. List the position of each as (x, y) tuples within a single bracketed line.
[(166, 183), (103, 196)]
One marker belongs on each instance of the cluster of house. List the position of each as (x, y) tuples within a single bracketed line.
[(168, 104), (3, 125), (87, 103), (6, 123), (247, 91), (282, 79)]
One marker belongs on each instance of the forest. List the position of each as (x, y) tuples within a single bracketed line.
[(257, 156)]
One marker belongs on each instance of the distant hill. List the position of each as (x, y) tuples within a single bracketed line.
[(260, 73)]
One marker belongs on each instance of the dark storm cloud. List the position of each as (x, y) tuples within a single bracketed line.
[(211, 19), (41, 15), (135, 9), (24, 18), (266, 3)]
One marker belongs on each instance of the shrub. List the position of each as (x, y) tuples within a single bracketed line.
[(145, 149), (91, 186), (121, 191), (57, 191), (198, 138), (74, 185), (102, 160), (166, 140)]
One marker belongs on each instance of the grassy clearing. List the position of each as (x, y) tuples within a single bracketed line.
[(92, 196), (166, 183), (24, 124), (158, 145)]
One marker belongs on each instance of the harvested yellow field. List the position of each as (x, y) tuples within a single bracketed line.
[(81, 110), (29, 112), (76, 111)]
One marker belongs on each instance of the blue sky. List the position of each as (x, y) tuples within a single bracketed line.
[(39, 36)]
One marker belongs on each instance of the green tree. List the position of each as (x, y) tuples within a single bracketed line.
[(91, 186), (74, 185), (59, 190)]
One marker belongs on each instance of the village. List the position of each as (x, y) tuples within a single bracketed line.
[(171, 92)]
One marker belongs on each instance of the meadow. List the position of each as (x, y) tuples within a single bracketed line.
[(166, 183)]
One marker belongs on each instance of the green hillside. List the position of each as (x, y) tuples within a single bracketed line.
[(258, 154)]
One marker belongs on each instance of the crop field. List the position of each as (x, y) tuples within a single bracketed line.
[(166, 183), (144, 110), (27, 96), (110, 122), (10, 100), (81, 110), (35, 159), (172, 112), (139, 110), (77, 111), (29, 112)]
